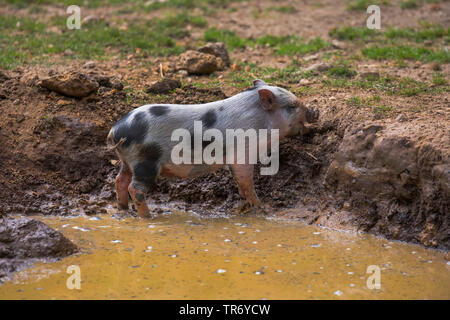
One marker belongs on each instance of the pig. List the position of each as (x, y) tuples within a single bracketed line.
[(143, 141)]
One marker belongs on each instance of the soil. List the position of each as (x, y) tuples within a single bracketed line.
[(351, 171), (24, 241)]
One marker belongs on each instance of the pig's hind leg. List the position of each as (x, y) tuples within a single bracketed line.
[(144, 177), (123, 180)]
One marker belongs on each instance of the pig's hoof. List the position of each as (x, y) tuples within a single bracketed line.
[(243, 207), (146, 215)]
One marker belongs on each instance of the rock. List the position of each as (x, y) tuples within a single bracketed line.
[(68, 52), (89, 65), (311, 57), (24, 240), (320, 67), (183, 73), (72, 84), (218, 50), (332, 98), (304, 82), (338, 44), (62, 102), (371, 76), (163, 86), (401, 117), (198, 62)]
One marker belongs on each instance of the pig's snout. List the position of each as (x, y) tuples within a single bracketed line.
[(312, 115)]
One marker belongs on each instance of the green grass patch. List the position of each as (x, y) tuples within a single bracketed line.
[(409, 4), (361, 5), (230, 38), (361, 102), (283, 9), (404, 52), (439, 79), (351, 33), (427, 32), (292, 45), (24, 40), (341, 71), (282, 45), (390, 85)]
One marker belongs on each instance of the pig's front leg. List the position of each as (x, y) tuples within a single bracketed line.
[(138, 197), (145, 174), (243, 173), (123, 180)]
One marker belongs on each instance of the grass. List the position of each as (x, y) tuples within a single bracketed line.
[(405, 52), (361, 5), (427, 32), (282, 45), (382, 110), (24, 40), (405, 86), (230, 38), (393, 44), (283, 9), (409, 4), (360, 102), (341, 71), (439, 79), (350, 33)]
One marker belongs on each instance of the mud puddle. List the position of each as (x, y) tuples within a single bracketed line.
[(183, 256)]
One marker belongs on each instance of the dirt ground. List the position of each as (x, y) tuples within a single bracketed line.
[(354, 170)]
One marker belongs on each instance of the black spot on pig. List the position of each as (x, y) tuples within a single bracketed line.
[(133, 133), (159, 110), (209, 119), (145, 174), (146, 170), (150, 152)]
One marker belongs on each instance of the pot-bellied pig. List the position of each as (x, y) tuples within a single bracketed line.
[(147, 140)]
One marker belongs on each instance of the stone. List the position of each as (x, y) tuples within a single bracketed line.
[(198, 62), (89, 65), (320, 67), (72, 84), (68, 52), (311, 57), (401, 117), (218, 50), (304, 82), (163, 86), (338, 44)]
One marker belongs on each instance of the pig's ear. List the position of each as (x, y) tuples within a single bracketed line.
[(258, 82), (267, 98)]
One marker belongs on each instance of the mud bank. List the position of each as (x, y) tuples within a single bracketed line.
[(24, 241), (386, 177)]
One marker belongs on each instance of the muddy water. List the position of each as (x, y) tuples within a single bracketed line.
[(182, 256)]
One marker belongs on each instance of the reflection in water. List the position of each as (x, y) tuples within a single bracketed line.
[(182, 256)]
